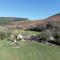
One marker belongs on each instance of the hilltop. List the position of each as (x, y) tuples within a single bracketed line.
[(54, 18)]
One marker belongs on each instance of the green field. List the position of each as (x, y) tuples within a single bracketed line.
[(28, 51)]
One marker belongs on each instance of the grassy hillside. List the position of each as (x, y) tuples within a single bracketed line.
[(28, 51), (5, 20)]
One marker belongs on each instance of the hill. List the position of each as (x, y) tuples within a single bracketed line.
[(25, 23), (5, 20), (54, 18)]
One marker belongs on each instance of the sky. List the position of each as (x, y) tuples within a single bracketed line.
[(32, 9)]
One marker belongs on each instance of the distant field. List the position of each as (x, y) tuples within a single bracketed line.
[(28, 51)]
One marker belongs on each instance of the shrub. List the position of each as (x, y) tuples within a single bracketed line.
[(37, 28), (4, 35)]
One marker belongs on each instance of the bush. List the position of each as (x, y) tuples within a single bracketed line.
[(3, 35), (56, 36), (37, 28)]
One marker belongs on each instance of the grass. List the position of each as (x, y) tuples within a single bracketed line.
[(24, 32), (28, 51)]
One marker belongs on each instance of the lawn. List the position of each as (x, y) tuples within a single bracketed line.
[(28, 51)]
